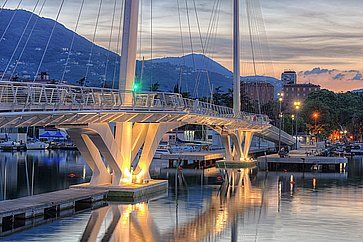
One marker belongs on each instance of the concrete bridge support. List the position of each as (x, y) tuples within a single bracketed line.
[(237, 145), (152, 138), (119, 149), (92, 157)]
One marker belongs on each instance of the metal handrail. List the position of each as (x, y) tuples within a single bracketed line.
[(31, 96)]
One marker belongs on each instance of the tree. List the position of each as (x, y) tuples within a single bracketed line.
[(337, 111), (155, 87)]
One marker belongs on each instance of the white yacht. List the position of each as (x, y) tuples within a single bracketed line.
[(36, 145), (357, 149), (11, 146)]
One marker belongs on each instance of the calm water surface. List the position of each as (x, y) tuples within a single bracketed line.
[(270, 207)]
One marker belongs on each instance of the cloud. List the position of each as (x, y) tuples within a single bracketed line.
[(317, 71), (339, 76), (333, 79), (358, 77)]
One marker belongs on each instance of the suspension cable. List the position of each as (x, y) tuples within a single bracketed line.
[(140, 28), (203, 49), (118, 45), (248, 6), (20, 39), (93, 42), (3, 6), (151, 44), (182, 47), (11, 21), (109, 43), (50, 38), (72, 42), (190, 32), (27, 41), (195, 94)]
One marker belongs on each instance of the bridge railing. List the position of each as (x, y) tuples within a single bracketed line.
[(27, 96)]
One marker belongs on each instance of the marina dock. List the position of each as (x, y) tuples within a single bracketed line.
[(301, 160), (14, 214), (28, 211), (202, 159)]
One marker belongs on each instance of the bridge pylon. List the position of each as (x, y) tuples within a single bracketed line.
[(237, 145), (103, 147)]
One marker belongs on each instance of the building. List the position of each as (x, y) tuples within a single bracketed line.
[(258, 91), (43, 77), (289, 77), (297, 92)]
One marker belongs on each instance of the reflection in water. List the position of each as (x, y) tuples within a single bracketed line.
[(129, 223), (135, 223), (266, 207), (33, 172)]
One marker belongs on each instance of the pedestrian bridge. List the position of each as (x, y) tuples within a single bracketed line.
[(28, 104), (141, 119)]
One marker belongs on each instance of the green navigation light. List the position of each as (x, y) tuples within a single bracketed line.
[(137, 87)]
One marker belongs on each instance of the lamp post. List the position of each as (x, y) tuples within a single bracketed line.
[(315, 117), (292, 123), (281, 99), (297, 106)]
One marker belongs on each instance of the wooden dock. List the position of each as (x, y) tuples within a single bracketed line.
[(44, 206), (30, 211), (300, 161)]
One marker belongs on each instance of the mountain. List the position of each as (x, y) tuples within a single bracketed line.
[(196, 61), (34, 42), (187, 71)]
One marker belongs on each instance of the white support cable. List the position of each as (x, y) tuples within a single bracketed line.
[(72, 42), (27, 41), (265, 36), (140, 28), (50, 38), (195, 94), (211, 24), (140, 36), (203, 49), (182, 48), (151, 44), (216, 27), (3, 5), (248, 6), (109, 43), (11, 20), (118, 51), (93, 42), (190, 32), (20, 39), (213, 36)]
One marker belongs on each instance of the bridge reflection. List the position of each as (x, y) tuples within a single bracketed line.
[(135, 223)]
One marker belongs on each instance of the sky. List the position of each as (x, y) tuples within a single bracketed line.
[(320, 39)]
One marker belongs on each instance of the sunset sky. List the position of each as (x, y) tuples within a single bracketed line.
[(302, 35)]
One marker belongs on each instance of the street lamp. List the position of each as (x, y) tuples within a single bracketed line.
[(292, 123), (315, 117), (297, 105), (281, 99)]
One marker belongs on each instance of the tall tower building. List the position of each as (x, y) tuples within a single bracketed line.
[(289, 77)]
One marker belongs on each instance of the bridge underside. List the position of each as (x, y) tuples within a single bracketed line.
[(60, 118), (110, 151), (86, 113)]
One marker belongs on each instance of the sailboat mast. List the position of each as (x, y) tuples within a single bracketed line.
[(236, 59)]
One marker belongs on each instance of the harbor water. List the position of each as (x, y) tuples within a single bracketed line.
[(269, 207)]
